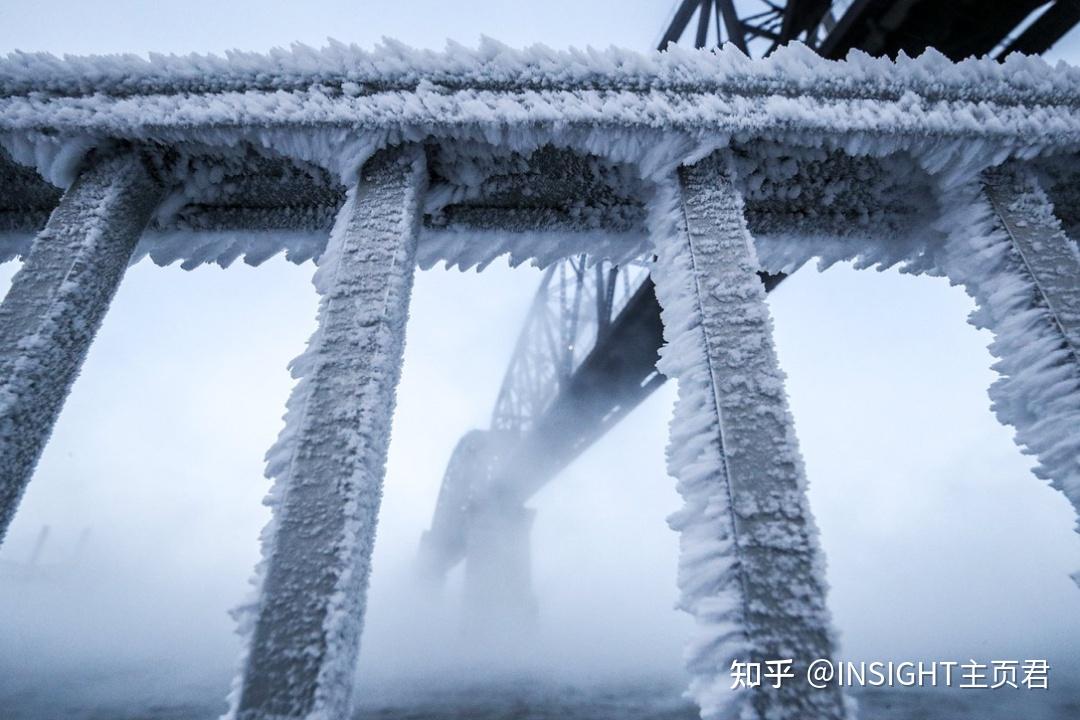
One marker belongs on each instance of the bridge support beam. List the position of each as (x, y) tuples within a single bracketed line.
[(498, 595), (331, 458), (751, 572), (1006, 246), (56, 304), (1045, 253)]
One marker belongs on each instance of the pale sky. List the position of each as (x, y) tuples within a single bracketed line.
[(939, 540)]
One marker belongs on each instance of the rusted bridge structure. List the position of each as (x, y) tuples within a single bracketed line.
[(708, 167)]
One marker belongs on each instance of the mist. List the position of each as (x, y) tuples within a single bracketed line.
[(940, 542)]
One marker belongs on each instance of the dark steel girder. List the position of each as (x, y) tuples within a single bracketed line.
[(956, 28), (1050, 27), (770, 21)]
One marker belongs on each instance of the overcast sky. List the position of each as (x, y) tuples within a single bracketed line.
[(940, 542)]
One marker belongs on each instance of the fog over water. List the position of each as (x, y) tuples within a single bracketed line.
[(940, 542)]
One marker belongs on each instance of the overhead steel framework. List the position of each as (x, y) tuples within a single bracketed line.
[(753, 23), (711, 167), (956, 28)]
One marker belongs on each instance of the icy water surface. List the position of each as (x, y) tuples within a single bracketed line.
[(642, 700)]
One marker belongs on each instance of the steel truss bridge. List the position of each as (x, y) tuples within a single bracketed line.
[(583, 361), (956, 28), (711, 167)]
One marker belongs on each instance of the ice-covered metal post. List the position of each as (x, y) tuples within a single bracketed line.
[(332, 453), (1047, 254), (751, 572), (56, 303), (1009, 250)]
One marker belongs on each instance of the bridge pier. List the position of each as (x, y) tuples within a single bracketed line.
[(56, 303), (446, 542), (498, 595), (330, 461), (751, 571)]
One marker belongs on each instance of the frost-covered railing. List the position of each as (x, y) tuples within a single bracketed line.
[(374, 163)]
